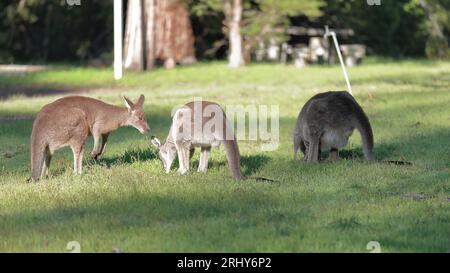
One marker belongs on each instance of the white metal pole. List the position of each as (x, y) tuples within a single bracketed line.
[(118, 39), (341, 60)]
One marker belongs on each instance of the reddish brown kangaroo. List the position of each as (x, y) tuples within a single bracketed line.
[(70, 120)]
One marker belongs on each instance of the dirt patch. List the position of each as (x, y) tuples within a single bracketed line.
[(28, 90), (32, 91), (17, 70), (14, 118)]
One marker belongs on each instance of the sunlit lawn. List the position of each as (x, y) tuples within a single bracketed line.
[(126, 201)]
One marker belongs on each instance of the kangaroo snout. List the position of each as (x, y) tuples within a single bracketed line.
[(145, 129)]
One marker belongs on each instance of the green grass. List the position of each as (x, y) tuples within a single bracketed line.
[(126, 201)]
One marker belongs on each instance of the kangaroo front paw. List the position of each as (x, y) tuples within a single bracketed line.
[(95, 156)]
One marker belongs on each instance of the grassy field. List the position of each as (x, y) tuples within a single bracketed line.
[(126, 201)]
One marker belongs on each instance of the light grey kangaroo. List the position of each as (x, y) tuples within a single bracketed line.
[(326, 122), (199, 124)]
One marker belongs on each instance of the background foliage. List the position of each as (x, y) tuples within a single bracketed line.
[(50, 30)]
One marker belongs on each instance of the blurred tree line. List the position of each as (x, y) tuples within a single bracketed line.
[(397, 28), (52, 31), (260, 21)]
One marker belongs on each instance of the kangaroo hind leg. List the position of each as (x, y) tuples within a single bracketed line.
[(78, 151), (46, 163), (204, 157), (314, 149), (183, 149), (297, 143), (38, 157)]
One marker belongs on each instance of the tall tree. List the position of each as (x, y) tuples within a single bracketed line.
[(233, 13), (174, 38), (134, 36), (158, 30), (149, 17)]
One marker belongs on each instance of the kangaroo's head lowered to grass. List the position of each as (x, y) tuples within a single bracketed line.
[(199, 124), (166, 153)]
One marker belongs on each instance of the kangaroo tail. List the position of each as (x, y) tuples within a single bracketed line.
[(364, 128), (234, 158), (38, 149), (231, 149)]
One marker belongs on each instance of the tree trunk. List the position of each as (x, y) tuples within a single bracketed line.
[(174, 38), (150, 17), (134, 37), (48, 24), (235, 9), (158, 30)]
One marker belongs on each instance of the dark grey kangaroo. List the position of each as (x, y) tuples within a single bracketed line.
[(326, 122)]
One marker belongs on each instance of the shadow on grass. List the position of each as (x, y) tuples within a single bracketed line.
[(253, 163), (250, 164), (7, 91), (178, 216), (129, 157), (118, 214), (381, 151), (438, 80)]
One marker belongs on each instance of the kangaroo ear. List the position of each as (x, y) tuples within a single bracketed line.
[(128, 103), (155, 141), (140, 101)]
